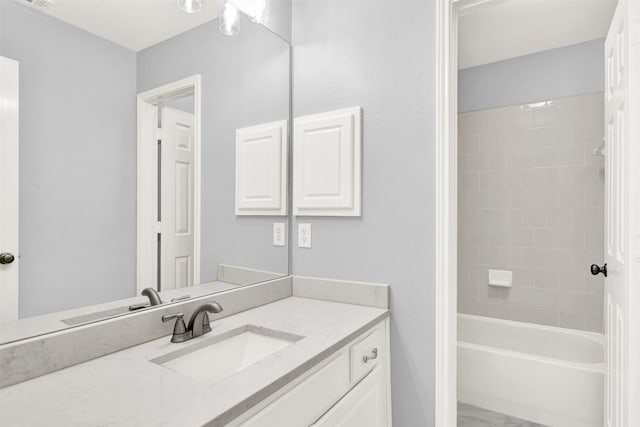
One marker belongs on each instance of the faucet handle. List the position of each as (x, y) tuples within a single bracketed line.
[(168, 317), (180, 333)]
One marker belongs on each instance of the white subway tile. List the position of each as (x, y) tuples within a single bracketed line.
[(571, 196), (585, 303), (570, 238), (534, 257), (536, 177), (544, 238), (535, 218), (531, 201), (523, 277), (560, 259), (571, 280), (545, 116), (571, 321), (546, 279), (594, 324), (546, 317)]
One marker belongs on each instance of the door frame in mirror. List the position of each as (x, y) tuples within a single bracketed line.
[(147, 170)]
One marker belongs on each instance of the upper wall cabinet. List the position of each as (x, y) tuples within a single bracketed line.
[(327, 163), (261, 169)]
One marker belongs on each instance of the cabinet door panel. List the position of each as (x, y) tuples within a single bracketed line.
[(363, 406), (299, 406)]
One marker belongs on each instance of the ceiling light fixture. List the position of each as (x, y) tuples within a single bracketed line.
[(229, 19), (260, 13), (190, 6)]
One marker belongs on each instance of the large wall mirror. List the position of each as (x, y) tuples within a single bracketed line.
[(128, 120)]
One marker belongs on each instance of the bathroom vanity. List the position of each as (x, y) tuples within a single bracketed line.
[(316, 356)]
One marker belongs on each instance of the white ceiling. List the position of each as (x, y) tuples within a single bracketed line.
[(134, 24), (520, 27)]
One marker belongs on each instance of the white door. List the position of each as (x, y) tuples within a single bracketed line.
[(8, 190), (622, 226), (176, 199)]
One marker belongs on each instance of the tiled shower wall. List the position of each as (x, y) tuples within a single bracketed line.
[(531, 200)]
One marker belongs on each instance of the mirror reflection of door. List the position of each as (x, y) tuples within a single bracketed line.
[(176, 199), (9, 189)]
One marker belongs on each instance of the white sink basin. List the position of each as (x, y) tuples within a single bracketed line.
[(223, 355)]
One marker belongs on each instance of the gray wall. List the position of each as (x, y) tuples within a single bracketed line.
[(77, 162), (379, 55), (556, 73), (245, 81), (280, 18)]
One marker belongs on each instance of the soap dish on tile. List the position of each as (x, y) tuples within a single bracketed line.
[(500, 278)]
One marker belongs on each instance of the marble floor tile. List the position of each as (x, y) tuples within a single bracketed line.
[(473, 416)]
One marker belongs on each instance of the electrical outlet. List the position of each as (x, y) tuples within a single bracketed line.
[(304, 235), (278, 234)]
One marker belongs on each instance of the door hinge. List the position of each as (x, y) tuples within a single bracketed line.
[(159, 134), (159, 227)]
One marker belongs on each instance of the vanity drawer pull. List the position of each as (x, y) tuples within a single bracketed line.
[(366, 353), (373, 355)]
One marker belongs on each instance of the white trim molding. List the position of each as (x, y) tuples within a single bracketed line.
[(447, 14), (446, 216), (146, 266), (9, 191)]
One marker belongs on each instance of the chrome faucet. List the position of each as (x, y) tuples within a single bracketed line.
[(154, 298), (198, 323)]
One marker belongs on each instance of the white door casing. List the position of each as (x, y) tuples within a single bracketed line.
[(622, 217), (9, 143), (177, 194)]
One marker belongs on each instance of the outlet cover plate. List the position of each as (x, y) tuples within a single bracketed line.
[(279, 235), (304, 235)]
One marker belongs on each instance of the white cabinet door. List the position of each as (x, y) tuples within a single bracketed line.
[(622, 225), (364, 406), (261, 169), (327, 163), (299, 406), (177, 200)]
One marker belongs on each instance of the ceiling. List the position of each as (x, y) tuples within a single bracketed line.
[(134, 24), (520, 27)]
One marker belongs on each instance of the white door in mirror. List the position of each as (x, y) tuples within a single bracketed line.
[(9, 190), (177, 195)]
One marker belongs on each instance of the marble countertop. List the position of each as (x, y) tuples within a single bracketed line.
[(127, 389), (47, 323)]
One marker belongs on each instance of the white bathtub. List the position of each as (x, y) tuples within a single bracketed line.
[(545, 374)]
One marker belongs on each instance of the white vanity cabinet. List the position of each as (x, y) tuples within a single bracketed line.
[(365, 405), (350, 388)]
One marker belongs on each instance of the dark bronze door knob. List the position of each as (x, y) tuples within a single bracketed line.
[(6, 258), (596, 269)]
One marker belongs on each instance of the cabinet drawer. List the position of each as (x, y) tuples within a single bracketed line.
[(366, 353), (299, 405)]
